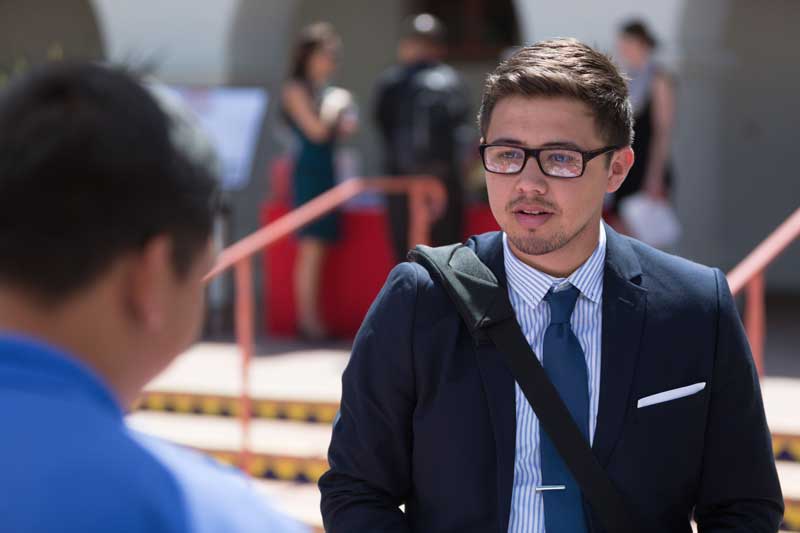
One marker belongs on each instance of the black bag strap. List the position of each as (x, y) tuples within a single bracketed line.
[(486, 310)]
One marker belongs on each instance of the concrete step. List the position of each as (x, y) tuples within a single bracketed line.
[(781, 398), (304, 384), (283, 450), (310, 375)]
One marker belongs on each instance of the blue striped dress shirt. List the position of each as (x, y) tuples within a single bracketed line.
[(527, 288)]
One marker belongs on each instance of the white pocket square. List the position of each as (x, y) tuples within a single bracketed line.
[(669, 395)]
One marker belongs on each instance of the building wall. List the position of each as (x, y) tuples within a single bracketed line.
[(759, 178), (183, 40), (36, 31)]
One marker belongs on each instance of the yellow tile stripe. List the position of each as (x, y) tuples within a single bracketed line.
[(217, 405), (791, 517), (283, 468), (786, 447)]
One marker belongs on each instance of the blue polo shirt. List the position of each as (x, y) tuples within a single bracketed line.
[(68, 462)]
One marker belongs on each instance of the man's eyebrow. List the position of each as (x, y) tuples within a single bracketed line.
[(557, 143), (562, 144), (507, 140)]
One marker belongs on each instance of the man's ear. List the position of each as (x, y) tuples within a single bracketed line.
[(621, 163), (149, 273)]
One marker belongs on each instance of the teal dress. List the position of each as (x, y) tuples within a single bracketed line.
[(313, 175)]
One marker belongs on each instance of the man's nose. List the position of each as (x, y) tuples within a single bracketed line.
[(532, 180)]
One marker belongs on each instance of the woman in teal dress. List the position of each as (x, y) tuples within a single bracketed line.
[(318, 115)]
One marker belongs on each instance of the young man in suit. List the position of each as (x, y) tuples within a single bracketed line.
[(432, 421), (106, 205)]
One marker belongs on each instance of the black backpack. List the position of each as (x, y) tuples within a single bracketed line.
[(428, 118)]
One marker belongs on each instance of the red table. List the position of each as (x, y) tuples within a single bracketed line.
[(354, 272)]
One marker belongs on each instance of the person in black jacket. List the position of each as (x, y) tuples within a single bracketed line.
[(421, 107)]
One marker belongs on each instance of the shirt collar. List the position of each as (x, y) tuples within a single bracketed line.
[(34, 365), (533, 285)]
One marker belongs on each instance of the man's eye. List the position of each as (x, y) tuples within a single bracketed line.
[(562, 158)]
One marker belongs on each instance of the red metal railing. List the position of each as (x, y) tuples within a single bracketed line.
[(427, 200), (749, 276)]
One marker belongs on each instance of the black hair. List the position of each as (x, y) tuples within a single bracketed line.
[(89, 171), (312, 38), (639, 30)]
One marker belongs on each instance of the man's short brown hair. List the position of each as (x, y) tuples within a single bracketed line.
[(565, 68)]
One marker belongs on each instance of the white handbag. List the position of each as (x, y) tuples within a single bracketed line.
[(650, 220)]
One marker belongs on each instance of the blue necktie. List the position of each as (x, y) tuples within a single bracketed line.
[(565, 365)]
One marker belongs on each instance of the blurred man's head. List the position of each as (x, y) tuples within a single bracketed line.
[(104, 221), (422, 40), (567, 105)]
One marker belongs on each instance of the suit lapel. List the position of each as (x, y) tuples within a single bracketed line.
[(624, 308), (498, 386)]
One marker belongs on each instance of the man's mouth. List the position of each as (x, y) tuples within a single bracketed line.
[(533, 212), (531, 217)]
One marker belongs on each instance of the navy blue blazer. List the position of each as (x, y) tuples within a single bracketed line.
[(428, 418)]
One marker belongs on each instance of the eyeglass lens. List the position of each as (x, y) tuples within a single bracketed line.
[(554, 162)]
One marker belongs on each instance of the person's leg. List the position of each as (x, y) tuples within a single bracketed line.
[(307, 274), (397, 211), (449, 229)]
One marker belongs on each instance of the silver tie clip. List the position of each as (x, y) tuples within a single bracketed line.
[(550, 487)]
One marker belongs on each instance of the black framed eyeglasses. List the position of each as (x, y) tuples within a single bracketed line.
[(554, 162)]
